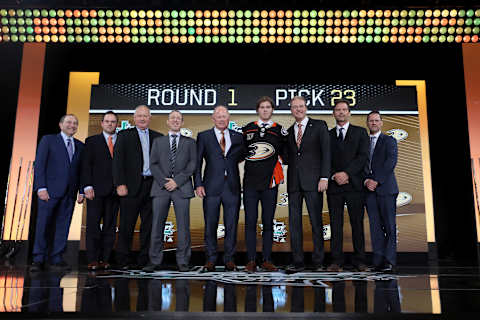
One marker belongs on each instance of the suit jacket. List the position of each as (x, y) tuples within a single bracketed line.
[(53, 169), (185, 164), (384, 160), (310, 162), (97, 166), (216, 164), (351, 156), (128, 159)]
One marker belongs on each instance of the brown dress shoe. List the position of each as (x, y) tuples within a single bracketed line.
[(93, 266), (334, 268), (230, 266), (209, 267), (251, 267), (104, 265), (268, 266)]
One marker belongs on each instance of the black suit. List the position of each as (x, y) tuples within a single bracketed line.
[(306, 166), (127, 170), (349, 155), (97, 173)]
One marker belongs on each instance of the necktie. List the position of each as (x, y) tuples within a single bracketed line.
[(299, 135), (70, 149), (110, 145), (222, 142), (340, 134), (173, 154), (372, 147), (145, 152)]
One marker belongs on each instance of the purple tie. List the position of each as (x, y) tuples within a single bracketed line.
[(70, 148)]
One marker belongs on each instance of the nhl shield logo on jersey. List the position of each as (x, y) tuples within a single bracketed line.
[(260, 151)]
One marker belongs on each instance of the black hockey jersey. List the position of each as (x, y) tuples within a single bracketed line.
[(264, 145)]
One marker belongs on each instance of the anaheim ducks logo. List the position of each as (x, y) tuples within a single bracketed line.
[(260, 151)]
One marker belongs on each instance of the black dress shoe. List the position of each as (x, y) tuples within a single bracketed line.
[(152, 267), (319, 268), (183, 268), (295, 268), (36, 267), (61, 266), (388, 268), (361, 268)]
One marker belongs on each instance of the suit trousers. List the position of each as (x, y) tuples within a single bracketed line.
[(268, 199), (51, 232), (314, 201), (100, 241), (130, 208), (383, 227), (161, 206), (354, 201), (211, 211)]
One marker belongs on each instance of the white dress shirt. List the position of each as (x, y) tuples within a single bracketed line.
[(228, 142), (304, 126), (345, 129)]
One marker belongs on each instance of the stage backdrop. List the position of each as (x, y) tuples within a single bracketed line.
[(399, 105)]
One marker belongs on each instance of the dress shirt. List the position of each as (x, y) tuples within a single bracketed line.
[(228, 142), (177, 139), (106, 135), (145, 141), (304, 125), (376, 135), (65, 137), (345, 127)]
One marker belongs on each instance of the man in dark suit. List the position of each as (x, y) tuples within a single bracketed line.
[(57, 168), (349, 147), (172, 161), (308, 157), (102, 200), (133, 180), (382, 192), (222, 149)]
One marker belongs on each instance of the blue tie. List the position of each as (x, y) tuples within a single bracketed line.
[(340, 134), (146, 152), (70, 149), (372, 148)]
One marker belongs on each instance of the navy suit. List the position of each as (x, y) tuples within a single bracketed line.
[(381, 203), (221, 181), (55, 172)]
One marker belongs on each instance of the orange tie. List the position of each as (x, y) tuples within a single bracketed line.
[(110, 145), (222, 142)]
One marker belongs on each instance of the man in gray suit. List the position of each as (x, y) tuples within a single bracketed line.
[(172, 162)]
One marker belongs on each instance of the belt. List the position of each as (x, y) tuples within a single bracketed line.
[(147, 177)]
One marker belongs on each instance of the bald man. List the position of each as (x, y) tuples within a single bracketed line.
[(133, 181), (221, 149)]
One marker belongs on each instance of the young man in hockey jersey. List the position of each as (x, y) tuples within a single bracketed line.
[(264, 141)]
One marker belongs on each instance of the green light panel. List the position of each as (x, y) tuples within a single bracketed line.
[(240, 26)]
